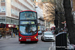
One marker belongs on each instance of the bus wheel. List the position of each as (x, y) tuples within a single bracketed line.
[(21, 42), (36, 41)]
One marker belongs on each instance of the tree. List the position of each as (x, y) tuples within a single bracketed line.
[(69, 20), (60, 13), (49, 12)]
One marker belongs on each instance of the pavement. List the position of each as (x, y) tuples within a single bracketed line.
[(7, 37), (14, 44)]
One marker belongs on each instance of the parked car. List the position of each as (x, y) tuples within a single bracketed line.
[(47, 36), (40, 32)]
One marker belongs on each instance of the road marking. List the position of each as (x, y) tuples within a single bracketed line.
[(49, 48), (52, 44), (33, 46)]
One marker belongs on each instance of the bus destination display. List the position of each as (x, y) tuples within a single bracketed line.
[(27, 22)]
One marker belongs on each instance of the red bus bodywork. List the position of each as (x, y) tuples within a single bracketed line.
[(28, 37), (24, 37), (52, 28), (28, 10)]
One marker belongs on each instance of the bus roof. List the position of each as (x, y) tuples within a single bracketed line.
[(28, 10)]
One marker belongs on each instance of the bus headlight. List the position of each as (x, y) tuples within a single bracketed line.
[(36, 37), (20, 38)]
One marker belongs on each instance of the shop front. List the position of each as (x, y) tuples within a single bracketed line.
[(11, 28), (2, 30), (8, 24)]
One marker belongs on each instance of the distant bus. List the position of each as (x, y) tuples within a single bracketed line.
[(28, 26), (52, 28)]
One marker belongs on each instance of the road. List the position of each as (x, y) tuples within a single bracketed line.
[(13, 44)]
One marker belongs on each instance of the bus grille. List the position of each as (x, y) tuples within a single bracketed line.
[(27, 37)]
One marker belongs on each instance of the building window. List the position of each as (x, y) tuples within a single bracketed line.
[(12, 11), (16, 22), (12, 21), (2, 0), (8, 20), (15, 12), (2, 20), (3, 9)]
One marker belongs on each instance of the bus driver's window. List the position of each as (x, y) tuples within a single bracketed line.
[(31, 29), (31, 14), (26, 29)]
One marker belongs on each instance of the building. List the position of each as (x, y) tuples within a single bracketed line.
[(48, 16), (46, 7), (41, 24), (73, 9), (9, 11), (39, 8)]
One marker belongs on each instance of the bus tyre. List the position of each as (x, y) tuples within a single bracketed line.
[(36, 41), (20, 42)]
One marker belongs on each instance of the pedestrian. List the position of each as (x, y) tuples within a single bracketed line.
[(11, 33), (0, 35), (14, 34), (3, 34)]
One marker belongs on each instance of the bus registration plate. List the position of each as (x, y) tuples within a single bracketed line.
[(28, 39)]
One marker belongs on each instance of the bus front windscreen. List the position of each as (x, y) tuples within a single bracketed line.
[(28, 30), (27, 15)]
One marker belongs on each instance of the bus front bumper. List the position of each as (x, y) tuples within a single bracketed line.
[(28, 39)]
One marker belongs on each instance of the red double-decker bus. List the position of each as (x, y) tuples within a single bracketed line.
[(28, 26)]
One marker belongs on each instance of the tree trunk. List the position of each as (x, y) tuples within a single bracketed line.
[(69, 20)]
